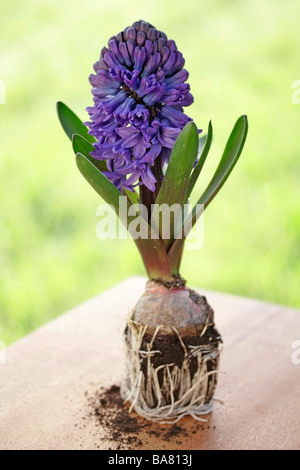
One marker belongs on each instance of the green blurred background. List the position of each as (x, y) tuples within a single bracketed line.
[(243, 57)]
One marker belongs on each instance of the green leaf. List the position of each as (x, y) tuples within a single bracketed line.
[(204, 147), (175, 256), (71, 124), (151, 249), (98, 181), (81, 145), (201, 143), (132, 196), (233, 150), (175, 184)]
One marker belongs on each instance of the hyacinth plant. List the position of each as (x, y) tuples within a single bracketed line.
[(139, 145)]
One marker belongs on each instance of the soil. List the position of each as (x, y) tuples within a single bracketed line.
[(123, 429), (173, 353), (172, 350)]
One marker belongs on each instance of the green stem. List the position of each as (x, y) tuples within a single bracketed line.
[(175, 256)]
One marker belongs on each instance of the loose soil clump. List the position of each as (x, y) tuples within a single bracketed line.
[(123, 429)]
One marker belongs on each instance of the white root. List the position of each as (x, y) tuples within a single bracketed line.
[(154, 399)]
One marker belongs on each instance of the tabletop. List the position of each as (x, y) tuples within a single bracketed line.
[(59, 385)]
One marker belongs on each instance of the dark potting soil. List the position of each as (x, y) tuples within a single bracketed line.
[(120, 427), (171, 347), (123, 429), (172, 352)]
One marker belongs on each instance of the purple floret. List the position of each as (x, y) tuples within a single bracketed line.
[(139, 92)]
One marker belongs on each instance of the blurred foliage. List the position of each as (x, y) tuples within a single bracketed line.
[(242, 58)]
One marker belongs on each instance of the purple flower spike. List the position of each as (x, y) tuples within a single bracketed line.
[(139, 92)]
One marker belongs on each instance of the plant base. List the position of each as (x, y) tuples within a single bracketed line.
[(172, 354)]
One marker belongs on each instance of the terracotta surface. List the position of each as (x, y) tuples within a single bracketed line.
[(43, 386)]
